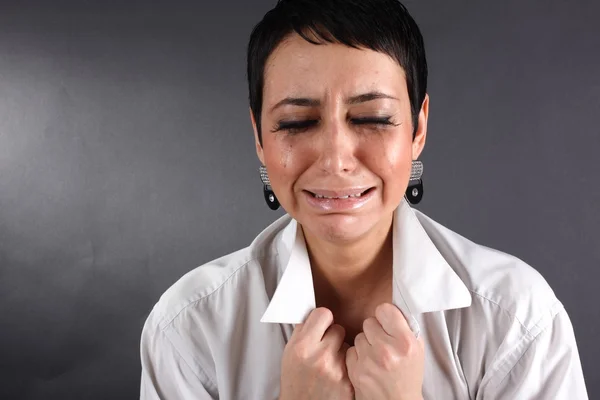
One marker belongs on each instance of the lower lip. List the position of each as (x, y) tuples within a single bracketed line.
[(336, 205)]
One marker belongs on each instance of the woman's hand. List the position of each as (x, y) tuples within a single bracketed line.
[(387, 361), (314, 361)]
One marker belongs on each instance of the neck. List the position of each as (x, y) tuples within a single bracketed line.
[(349, 272)]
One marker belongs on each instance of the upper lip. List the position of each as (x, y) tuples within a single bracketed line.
[(339, 192)]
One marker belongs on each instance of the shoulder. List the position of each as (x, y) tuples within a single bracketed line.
[(217, 279), (504, 283)]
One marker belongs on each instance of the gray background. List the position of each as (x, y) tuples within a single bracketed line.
[(127, 159)]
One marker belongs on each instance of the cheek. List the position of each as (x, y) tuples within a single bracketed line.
[(389, 156), (283, 160), (287, 156)]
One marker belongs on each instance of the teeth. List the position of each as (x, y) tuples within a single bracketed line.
[(318, 196)]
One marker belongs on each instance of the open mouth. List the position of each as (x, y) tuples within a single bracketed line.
[(350, 196)]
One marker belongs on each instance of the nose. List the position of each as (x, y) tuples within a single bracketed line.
[(337, 147)]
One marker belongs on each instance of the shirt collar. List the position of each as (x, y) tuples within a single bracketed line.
[(423, 279)]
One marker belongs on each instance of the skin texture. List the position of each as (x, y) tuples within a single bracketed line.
[(314, 361), (387, 361), (343, 136)]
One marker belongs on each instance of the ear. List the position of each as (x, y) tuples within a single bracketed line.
[(421, 134), (259, 149)]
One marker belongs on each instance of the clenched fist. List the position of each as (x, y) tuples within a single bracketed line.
[(314, 361), (387, 361)]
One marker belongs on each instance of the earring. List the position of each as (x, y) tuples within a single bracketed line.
[(414, 191), (270, 198)]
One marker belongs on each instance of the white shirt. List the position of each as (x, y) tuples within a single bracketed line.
[(493, 328)]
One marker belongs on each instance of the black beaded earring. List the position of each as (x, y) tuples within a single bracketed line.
[(414, 191), (270, 198)]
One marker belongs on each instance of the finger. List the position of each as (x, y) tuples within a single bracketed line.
[(317, 323), (361, 344), (351, 360), (334, 337), (298, 328), (392, 320), (373, 331)]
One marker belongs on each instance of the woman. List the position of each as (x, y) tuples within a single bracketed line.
[(353, 294)]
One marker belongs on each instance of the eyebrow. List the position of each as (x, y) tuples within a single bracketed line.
[(308, 102), (363, 98)]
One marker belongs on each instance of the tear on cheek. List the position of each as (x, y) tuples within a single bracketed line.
[(286, 156)]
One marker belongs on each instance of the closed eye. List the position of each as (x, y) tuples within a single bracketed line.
[(295, 126), (298, 126), (373, 121)]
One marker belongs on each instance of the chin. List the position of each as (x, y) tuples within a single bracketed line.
[(338, 227)]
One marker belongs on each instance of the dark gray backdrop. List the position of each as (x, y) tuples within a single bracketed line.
[(127, 159)]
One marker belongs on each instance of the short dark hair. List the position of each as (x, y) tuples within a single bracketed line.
[(380, 25)]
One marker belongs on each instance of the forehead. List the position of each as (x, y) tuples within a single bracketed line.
[(299, 67)]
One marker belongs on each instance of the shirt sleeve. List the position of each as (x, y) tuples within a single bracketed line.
[(548, 368), (166, 374)]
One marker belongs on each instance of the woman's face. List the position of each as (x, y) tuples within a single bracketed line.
[(337, 136)]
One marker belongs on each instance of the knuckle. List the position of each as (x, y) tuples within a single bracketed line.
[(388, 358), (412, 347), (322, 313), (337, 374), (382, 308), (321, 366), (324, 366), (387, 308), (360, 337), (336, 331), (389, 311), (368, 322), (405, 342), (302, 351)]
